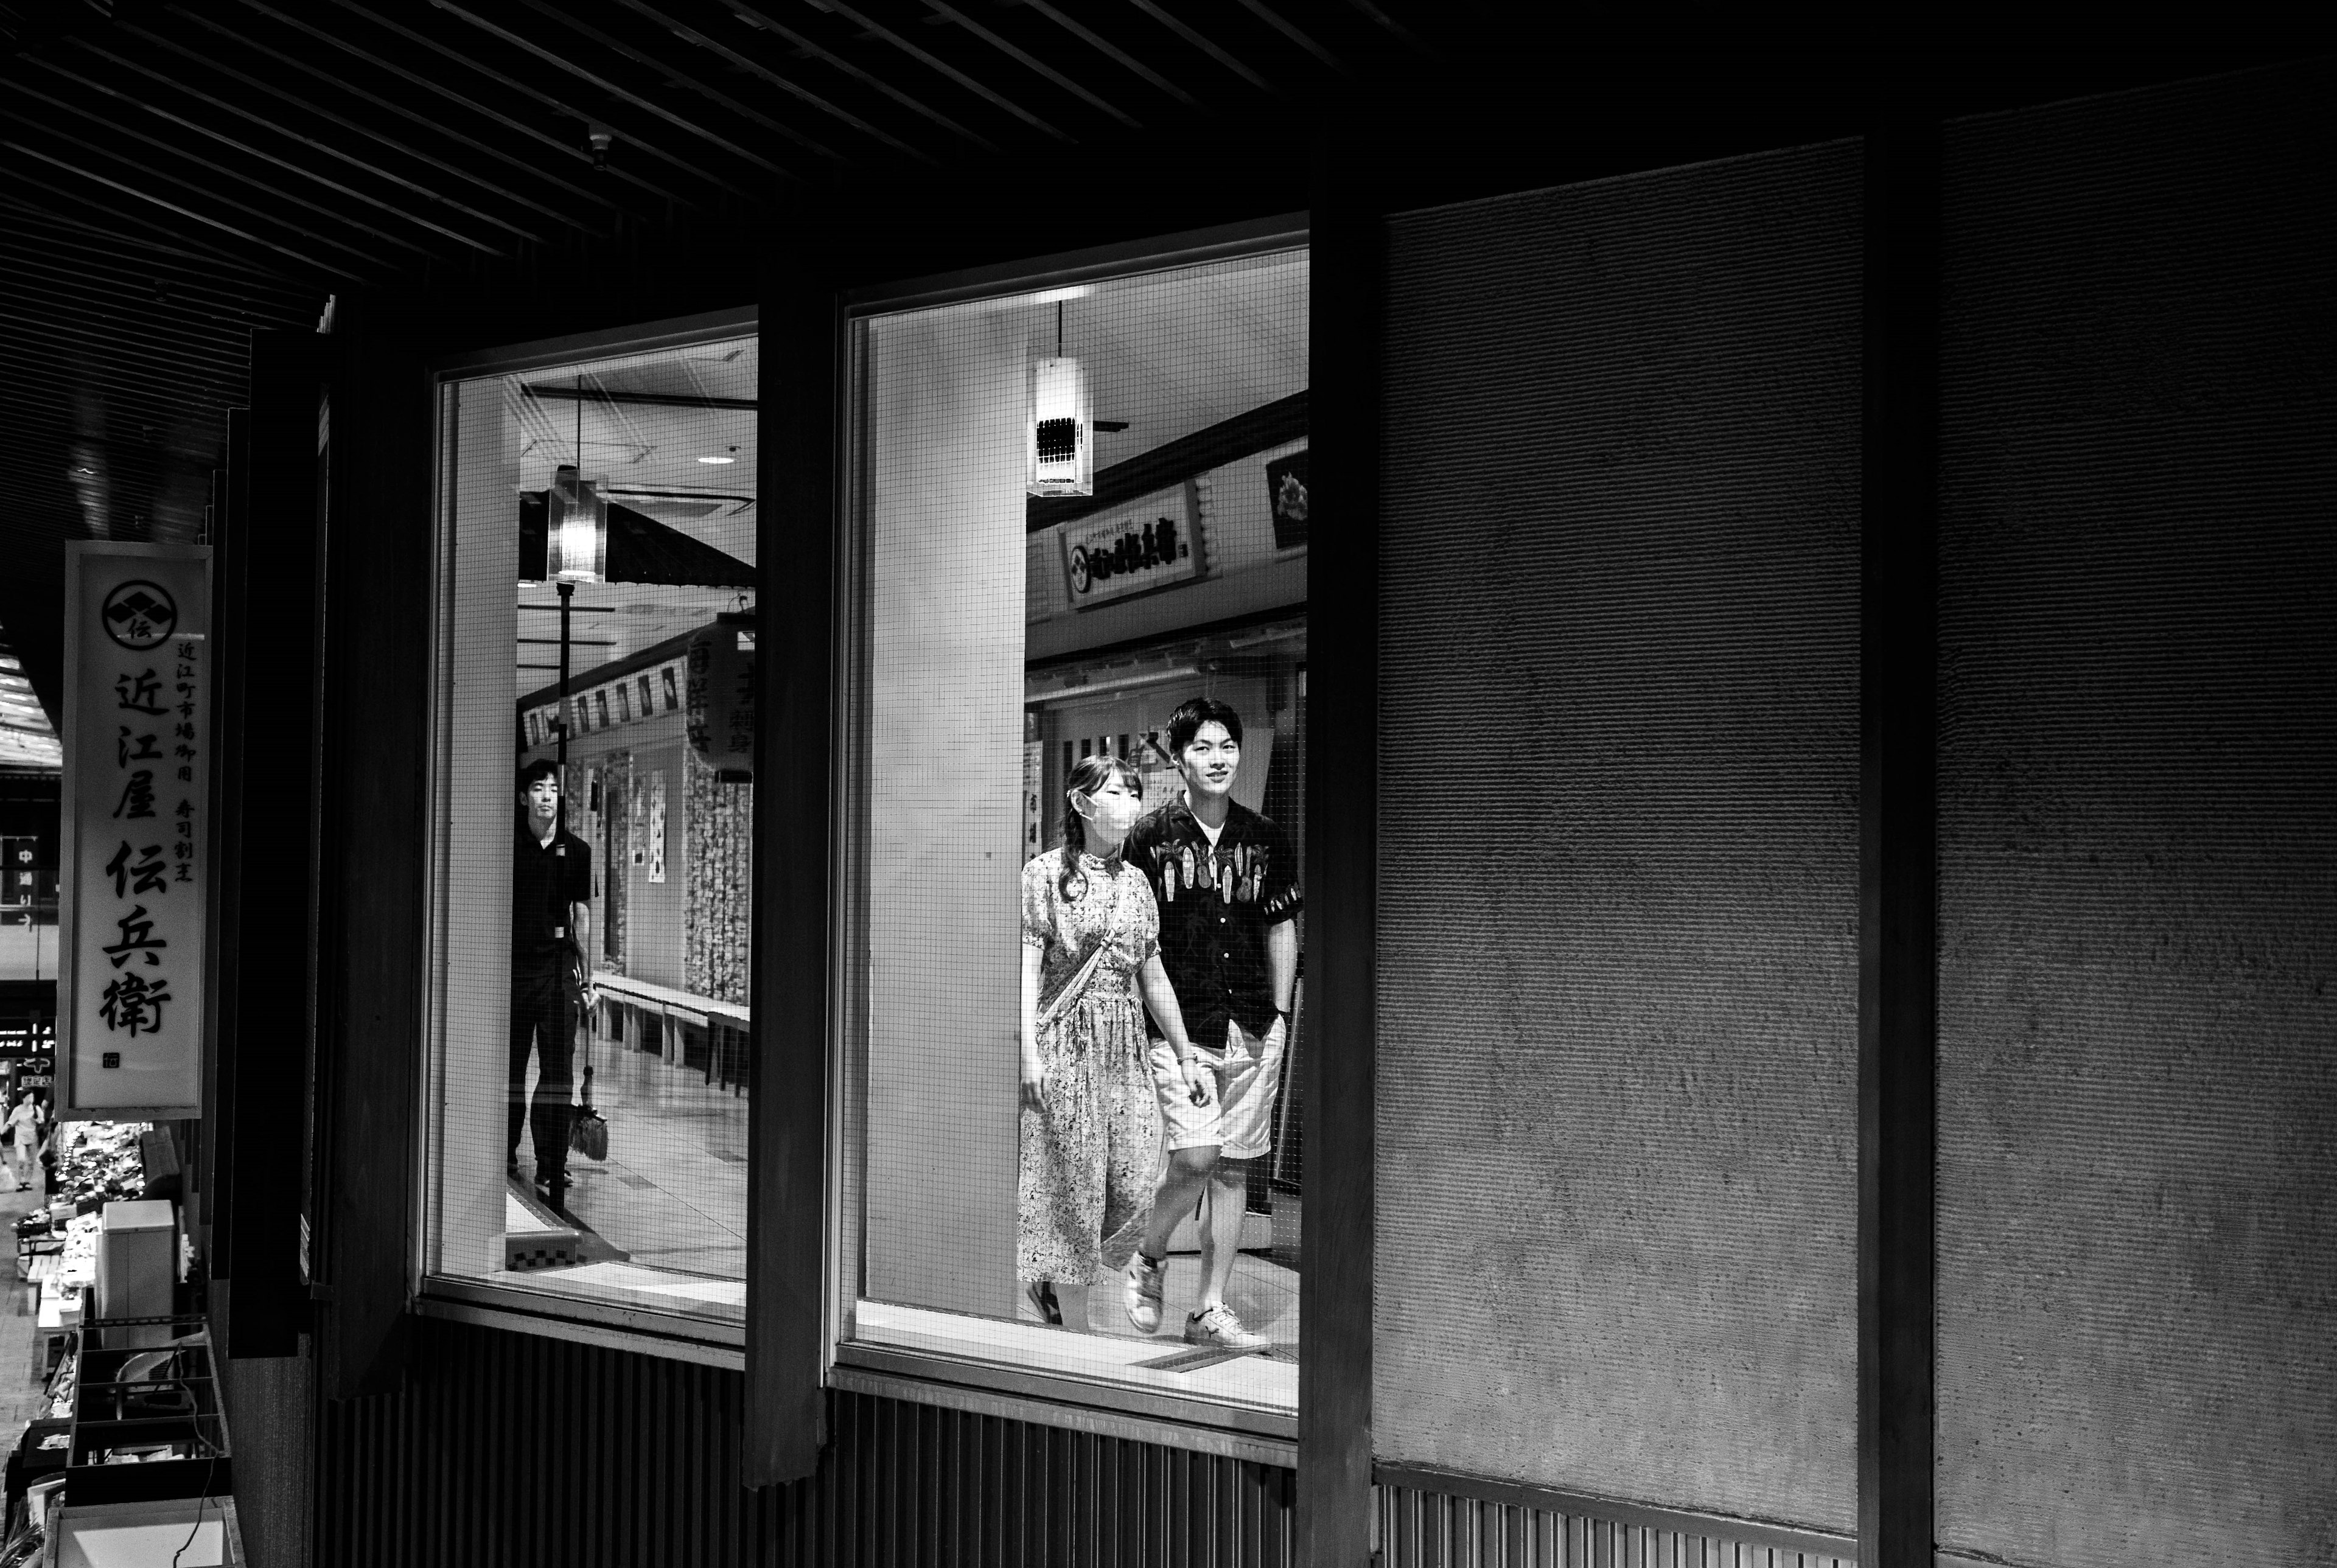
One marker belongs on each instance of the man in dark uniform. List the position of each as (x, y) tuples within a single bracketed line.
[(551, 889), (1226, 881)]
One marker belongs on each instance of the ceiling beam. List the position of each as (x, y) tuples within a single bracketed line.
[(755, 67), (71, 239), (126, 308), (326, 148), (1015, 52), (26, 412), (327, 269), (1112, 52), (264, 156), (610, 88), (284, 196), (381, 62), (1274, 20), (83, 336), (677, 77), (1198, 42), (180, 183), (513, 85), (945, 68), (474, 144), (195, 254), (283, 96), (813, 49)]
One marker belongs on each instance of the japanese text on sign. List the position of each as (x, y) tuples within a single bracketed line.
[(130, 1005)]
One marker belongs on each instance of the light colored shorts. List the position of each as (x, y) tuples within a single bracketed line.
[(1240, 1118)]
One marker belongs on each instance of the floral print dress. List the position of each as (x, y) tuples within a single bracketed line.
[(1090, 1153)]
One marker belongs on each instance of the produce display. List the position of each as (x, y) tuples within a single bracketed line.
[(98, 1163)]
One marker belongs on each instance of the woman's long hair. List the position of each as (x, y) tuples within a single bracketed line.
[(1089, 775)]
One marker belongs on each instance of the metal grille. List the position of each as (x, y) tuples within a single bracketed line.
[(1430, 1530), (512, 1449)]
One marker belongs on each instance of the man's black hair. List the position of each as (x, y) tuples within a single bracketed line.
[(1192, 713), (542, 768)]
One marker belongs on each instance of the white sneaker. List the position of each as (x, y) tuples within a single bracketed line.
[(1144, 1285), (1217, 1326)]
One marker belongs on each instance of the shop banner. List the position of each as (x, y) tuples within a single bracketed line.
[(1133, 549), (134, 843)]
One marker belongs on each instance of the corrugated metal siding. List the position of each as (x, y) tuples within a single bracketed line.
[(511, 1449), (514, 1449), (1431, 1530)]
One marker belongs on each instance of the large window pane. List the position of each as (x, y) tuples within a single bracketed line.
[(588, 1114), (1024, 658)]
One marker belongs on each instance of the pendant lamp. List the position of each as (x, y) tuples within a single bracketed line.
[(1061, 437), (575, 529)]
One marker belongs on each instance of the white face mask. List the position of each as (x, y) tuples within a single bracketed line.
[(1111, 816)]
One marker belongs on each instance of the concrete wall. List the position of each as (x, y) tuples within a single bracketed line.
[(1619, 842), (2137, 1165)]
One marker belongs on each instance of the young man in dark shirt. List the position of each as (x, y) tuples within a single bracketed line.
[(1226, 882), (551, 890)]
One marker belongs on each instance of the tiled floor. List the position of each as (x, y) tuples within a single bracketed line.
[(672, 1193)]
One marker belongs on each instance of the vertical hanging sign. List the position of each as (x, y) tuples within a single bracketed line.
[(134, 850)]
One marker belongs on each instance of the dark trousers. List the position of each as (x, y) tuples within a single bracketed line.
[(536, 1024)]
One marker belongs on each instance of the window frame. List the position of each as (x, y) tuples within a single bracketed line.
[(455, 1297), (1187, 1421)]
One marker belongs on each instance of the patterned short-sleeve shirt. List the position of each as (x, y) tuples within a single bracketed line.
[(1217, 903)]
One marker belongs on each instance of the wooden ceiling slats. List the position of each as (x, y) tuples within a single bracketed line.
[(184, 184), (795, 89), (381, 62), (136, 194), (665, 70), (510, 84), (263, 155), (1023, 56), (469, 175), (560, 63), (299, 140), (925, 57), (180, 174)]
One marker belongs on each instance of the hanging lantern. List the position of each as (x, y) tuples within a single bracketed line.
[(1062, 434), (575, 530)]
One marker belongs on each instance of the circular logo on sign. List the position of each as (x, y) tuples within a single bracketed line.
[(1081, 578), (140, 615)]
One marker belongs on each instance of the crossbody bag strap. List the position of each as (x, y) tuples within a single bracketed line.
[(1063, 1000)]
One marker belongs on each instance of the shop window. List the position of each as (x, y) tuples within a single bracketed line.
[(587, 1106), (1080, 523)]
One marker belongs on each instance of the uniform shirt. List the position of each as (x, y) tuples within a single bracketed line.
[(544, 882), (1217, 903)]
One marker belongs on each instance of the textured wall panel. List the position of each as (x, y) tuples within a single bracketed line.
[(535, 1453), (1618, 765), (2138, 1157)]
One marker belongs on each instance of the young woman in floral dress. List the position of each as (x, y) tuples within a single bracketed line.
[(1091, 1121)]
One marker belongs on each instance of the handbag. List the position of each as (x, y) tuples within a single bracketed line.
[(588, 1129)]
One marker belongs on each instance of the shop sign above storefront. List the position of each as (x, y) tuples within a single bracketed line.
[(134, 843), (721, 712), (1146, 544)]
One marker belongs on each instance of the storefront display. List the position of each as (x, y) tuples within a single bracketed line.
[(590, 1122), (1110, 679)]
